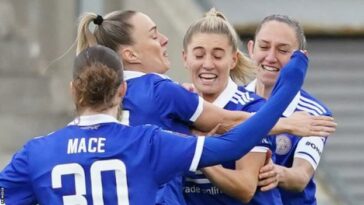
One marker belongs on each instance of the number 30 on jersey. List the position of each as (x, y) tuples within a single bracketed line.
[(96, 183)]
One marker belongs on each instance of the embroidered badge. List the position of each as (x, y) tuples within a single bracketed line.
[(284, 144)]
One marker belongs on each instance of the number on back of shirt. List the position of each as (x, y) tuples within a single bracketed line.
[(96, 181)]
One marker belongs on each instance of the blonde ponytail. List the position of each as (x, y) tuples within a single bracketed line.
[(244, 71), (85, 38)]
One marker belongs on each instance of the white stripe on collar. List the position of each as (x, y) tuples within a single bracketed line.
[(86, 120), (225, 96), (251, 86), (130, 74), (291, 107)]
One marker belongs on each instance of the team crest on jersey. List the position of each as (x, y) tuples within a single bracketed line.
[(284, 144)]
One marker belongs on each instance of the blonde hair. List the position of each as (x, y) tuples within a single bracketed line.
[(215, 22), (113, 31)]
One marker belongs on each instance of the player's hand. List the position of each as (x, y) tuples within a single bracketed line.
[(304, 124), (268, 174), (190, 87)]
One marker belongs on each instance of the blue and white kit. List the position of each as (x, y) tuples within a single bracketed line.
[(197, 188), (289, 146)]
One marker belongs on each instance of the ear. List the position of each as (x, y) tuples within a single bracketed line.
[(122, 89), (184, 57), (235, 59), (129, 55), (121, 92), (72, 89), (250, 46)]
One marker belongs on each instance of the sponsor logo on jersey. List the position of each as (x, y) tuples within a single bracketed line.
[(284, 144)]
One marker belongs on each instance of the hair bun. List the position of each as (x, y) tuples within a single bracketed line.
[(214, 13)]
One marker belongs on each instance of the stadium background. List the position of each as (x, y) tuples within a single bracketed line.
[(34, 97)]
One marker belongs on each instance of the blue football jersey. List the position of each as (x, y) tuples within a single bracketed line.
[(197, 188), (97, 160), (310, 149), (154, 99)]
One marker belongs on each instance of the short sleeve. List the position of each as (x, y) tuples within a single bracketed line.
[(173, 154), (15, 181), (175, 101), (310, 149)]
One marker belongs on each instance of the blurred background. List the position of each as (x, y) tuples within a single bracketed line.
[(34, 97)]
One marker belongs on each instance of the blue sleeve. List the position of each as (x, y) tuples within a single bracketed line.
[(175, 101), (253, 106), (15, 181), (241, 139), (171, 154)]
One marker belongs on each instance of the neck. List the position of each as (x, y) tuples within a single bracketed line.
[(209, 97), (262, 90), (134, 67), (111, 111)]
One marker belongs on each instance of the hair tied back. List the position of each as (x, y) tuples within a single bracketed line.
[(214, 13), (98, 20)]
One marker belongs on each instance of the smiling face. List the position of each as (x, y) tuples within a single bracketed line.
[(209, 58), (150, 46), (271, 50)]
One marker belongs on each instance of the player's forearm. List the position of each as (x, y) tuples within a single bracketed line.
[(232, 183), (213, 115), (282, 126), (230, 119), (292, 179)]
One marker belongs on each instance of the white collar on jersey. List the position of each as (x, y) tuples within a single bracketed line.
[(87, 120), (130, 74), (291, 107), (225, 96)]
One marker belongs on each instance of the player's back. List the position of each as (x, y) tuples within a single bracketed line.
[(103, 163)]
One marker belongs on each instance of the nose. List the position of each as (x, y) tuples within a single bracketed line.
[(208, 62), (271, 56), (163, 39)]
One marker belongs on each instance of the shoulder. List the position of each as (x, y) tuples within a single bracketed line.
[(252, 95), (149, 78), (244, 96), (312, 105), (141, 131), (157, 80)]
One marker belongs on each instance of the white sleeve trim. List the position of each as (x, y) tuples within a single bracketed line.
[(198, 111), (310, 149), (198, 153), (259, 149)]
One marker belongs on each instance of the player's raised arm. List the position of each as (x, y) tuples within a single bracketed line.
[(238, 141)]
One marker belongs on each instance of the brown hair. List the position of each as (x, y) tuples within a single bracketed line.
[(300, 35), (97, 74), (215, 22), (113, 31)]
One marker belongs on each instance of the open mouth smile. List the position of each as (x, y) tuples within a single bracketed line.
[(270, 69)]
